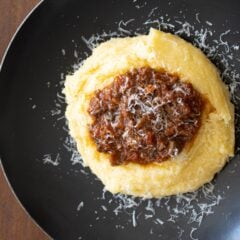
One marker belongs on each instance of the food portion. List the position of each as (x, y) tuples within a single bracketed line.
[(144, 116), (150, 115)]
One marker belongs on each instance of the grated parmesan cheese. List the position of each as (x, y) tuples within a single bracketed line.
[(47, 159), (80, 206)]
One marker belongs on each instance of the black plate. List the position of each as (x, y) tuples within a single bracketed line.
[(63, 196)]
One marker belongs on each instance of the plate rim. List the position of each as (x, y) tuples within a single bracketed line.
[(5, 53)]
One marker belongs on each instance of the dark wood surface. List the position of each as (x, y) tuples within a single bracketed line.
[(15, 224)]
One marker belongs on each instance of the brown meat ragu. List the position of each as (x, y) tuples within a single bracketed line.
[(144, 116)]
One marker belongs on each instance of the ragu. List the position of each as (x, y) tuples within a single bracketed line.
[(144, 116)]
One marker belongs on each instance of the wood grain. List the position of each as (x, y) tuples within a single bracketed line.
[(15, 224)]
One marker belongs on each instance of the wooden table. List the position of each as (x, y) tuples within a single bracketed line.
[(15, 224)]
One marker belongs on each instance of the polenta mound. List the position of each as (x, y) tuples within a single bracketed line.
[(198, 162)]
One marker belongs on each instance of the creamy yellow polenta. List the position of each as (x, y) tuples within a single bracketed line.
[(198, 162)]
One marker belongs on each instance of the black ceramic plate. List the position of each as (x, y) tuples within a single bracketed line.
[(37, 154)]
